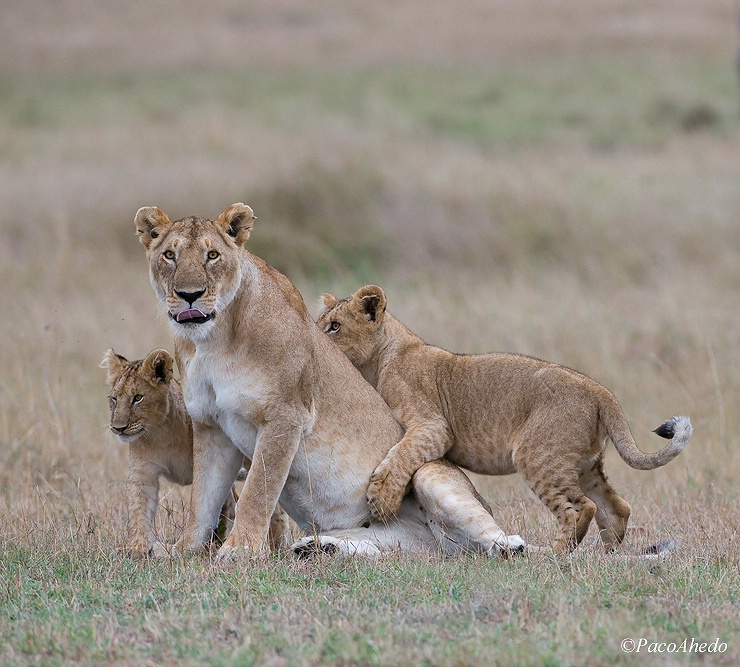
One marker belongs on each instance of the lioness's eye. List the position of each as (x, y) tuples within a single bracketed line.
[(137, 399), (213, 254), (333, 326), (168, 254)]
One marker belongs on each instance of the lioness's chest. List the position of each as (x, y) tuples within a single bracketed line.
[(225, 394)]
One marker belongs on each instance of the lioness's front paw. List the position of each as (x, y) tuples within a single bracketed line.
[(233, 550), (230, 554), (384, 499)]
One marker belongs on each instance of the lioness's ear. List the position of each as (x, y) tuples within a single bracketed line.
[(328, 300), (237, 221), (371, 300), (158, 366), (150, 223), (113, 363)]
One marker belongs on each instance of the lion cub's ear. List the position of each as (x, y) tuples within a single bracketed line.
[(237, 221), (371, 301), (150, 223), (328, 300), (114, 364), (157, 366)]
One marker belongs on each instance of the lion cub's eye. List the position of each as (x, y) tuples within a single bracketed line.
[(112, 401), (333, 327), (168, 254), (213, 254), (137, 399)]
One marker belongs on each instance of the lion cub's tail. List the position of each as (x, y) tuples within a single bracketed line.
[(677, 429)]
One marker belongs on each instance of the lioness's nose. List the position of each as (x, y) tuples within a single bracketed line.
[(190, 297)]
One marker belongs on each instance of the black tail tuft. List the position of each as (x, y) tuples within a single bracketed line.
[(666, 430), (661, 549)]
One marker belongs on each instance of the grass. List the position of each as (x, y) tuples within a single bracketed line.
[(560, 183), (103, 608), (601, 102)]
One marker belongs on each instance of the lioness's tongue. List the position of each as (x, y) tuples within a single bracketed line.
[(190, 314)]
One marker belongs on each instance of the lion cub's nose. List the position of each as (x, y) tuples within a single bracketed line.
[(190, 297), (118, 429)]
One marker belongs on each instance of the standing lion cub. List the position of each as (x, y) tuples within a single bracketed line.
[(147, 410), (494, 414)]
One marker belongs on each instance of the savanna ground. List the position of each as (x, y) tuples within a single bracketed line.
[(560, 179)]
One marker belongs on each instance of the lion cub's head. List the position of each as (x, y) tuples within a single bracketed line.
[(139, 392), (355, 324), (194, 264)]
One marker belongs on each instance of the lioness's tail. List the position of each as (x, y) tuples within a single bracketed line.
[(677, 429)]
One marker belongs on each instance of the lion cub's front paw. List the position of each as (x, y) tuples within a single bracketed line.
[(162, 550), (383, 497), (138, 548)]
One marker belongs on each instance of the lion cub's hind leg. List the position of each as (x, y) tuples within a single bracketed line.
[(556, 483), (612, 511), (226, 517), (280, 535)]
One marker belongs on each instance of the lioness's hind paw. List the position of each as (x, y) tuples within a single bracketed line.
[(510, 545), (515, 544), (310, 547)]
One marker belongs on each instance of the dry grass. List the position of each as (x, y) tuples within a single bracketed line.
[(559, 179)]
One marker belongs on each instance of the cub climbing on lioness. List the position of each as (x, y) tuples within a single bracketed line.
[(494, 414), (148, 412)]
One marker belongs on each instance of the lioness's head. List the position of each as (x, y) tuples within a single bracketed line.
[(194, 264), (138, 391), (355, 324)]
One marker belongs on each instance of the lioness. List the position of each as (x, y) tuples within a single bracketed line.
[(261, 380), (494, 414), (147, 411)]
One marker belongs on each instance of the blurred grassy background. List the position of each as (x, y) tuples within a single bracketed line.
[(559, 179)]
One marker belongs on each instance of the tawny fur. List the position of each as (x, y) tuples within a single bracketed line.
[(493, 414), (148, 412), (261, 380)]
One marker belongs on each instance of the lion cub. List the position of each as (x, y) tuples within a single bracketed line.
[(148, 412), (494, 414)]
